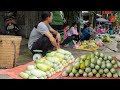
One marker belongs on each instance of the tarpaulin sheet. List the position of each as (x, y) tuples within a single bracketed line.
[(14, 72)]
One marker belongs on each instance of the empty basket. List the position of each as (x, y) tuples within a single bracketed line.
[(9, 50)]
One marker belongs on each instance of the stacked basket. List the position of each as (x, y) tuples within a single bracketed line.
[(9, 50)]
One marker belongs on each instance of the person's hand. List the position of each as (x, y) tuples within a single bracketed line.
[(80, 33), (64, 20), (56, 48), (58, 37)]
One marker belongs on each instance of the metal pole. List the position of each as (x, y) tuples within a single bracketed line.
[(107, 16)]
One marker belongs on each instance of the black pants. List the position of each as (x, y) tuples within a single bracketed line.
[(86, 38), (67, 40), (76, 37), (43, 43), (70, 38)]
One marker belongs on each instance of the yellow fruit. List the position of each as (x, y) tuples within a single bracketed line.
[(60, 59), (82, 65), (88, 57), (81, 47)]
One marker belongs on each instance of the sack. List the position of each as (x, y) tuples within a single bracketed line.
[(117, 37)]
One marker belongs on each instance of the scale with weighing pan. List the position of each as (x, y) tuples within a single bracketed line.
[(38, 54)]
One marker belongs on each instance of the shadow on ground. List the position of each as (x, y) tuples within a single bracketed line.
[(25, 54)]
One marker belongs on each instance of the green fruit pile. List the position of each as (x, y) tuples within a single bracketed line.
[(96, 64), (46, 67)]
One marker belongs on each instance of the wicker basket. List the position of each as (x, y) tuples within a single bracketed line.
[(9, 50)]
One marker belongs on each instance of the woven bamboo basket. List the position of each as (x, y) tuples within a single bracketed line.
[(9, 50)]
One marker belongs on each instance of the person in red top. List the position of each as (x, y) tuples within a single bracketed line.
[(65, 29), (101, 30)]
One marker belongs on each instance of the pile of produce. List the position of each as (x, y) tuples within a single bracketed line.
[(105, 37), (94, 43), (46, 67), (97, 64), (90, 45), (99, 42)]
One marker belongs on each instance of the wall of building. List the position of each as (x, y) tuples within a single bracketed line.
[(27, 20), (1, 22)]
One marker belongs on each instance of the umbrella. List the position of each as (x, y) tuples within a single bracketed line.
[(102, 20), (109, 23), (99, 15)]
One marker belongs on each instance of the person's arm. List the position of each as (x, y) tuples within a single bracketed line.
[(52, 39), (46, 32), (88, 32), (53, 31), (80, 33), (58, 37), (65, 34)]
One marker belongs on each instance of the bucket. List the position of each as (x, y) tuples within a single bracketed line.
[(111, 32), (71, 44)]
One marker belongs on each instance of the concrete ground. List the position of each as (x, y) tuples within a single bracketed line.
[(26, 55)]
